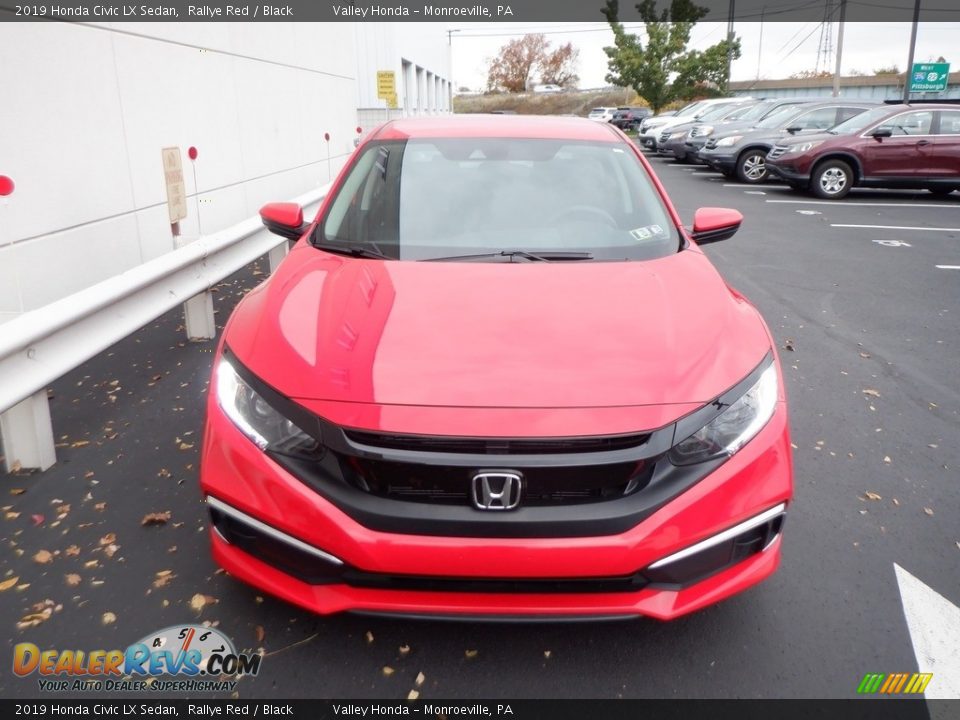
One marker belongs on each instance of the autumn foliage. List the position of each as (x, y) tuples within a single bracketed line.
[(521, 59)]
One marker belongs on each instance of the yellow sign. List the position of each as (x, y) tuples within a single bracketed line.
[(392, 101), (176, 190), (386, 84)]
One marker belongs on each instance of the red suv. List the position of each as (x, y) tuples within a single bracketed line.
[(497, 376), (894, 146)]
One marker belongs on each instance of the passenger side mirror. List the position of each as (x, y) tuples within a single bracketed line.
[(283, 219), (881, 133), (795, 129), (712, 224)]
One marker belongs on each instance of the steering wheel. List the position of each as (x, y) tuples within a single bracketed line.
[(586, 210)]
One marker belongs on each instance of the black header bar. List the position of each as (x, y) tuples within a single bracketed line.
[(457, 13)]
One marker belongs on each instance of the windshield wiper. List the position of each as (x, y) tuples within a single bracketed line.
[(546, 256), (352, 250)]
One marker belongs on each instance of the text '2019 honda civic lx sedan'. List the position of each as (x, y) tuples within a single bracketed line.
[(496, 376)]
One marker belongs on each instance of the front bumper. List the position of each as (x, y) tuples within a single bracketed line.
[(724, 162), (559, 577), (788, 172)]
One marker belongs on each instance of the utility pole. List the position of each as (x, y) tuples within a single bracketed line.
[(836, 72), (908, 73), (730, 42)]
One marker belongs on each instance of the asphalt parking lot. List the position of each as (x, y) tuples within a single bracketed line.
[(863, 298)]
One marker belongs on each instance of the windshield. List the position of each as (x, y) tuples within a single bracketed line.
[(745, 111), (755, 112), (861, 121), (777, 118), (718, 111), (689, 109), (440, 198)]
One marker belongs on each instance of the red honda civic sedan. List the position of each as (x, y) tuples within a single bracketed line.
[(497, 377)]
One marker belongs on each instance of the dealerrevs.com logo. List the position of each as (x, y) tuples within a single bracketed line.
[(182, 658)]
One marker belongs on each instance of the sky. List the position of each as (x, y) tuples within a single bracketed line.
[(769, 50)]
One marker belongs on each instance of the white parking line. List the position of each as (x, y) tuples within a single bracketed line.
[(949, 267), (746, 185), (754, 192), (863, 204), (895, 227)]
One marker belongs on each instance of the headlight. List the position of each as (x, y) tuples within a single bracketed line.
[(803, 147), (734, 427), (729, 141), (705, 130), (256, 418), (677, 135)]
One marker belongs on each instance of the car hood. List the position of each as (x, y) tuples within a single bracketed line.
[(479, 334), (786, 138)]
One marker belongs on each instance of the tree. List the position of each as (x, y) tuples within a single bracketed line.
[(891, 70), (804, 74), (559, 67), (513, 69), (664, 69)]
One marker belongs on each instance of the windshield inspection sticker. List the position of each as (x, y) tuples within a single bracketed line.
[(645, 233)]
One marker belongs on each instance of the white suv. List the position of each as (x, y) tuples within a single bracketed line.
[(601, 114), (651, 128)]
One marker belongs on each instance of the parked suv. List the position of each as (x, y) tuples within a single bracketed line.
[(893, 146), (673, 139), (651, 128), (701, 133), (629, 118), (743, 152), (601, 114)]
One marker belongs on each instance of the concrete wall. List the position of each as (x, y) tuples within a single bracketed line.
[(88, 109), (419, 56)]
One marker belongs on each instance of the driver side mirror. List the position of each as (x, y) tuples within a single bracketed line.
[(283, 219), (794, 130), (881, 133), (712, 224)]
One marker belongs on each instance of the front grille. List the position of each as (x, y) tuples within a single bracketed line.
[(664, 136), (711, 143), (777, 151), (451, 485), (696, 131), (497, 446)]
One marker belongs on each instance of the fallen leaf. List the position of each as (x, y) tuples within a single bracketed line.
[(72, 579), (388, 671), (17, 491), (788, 345), (108, 618), (928, 511), (369, 637), (91, 563), (156, 518), (871, 392), (79, 443), (864, 355), (162, 578), (413, 695), (39, 612), (896, 502), (421, 678), (260, 634), (108, 539), (8, 583), (887, 460), (16, 467), (404, 650), (547, 654), (43, 557), (100, 506), (872, 496), (471, 654), (111, 550), (198, 601), (11, 515), (186, 446), (72, 551), (36, 519)]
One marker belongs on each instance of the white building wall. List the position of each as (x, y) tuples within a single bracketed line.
[(84, 118), (415, 52)]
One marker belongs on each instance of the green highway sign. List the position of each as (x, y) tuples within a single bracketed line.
[(929, 77)]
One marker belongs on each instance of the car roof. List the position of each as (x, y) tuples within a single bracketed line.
[(550, 127)]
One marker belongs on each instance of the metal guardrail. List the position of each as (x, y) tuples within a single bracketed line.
[(42, 345)]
